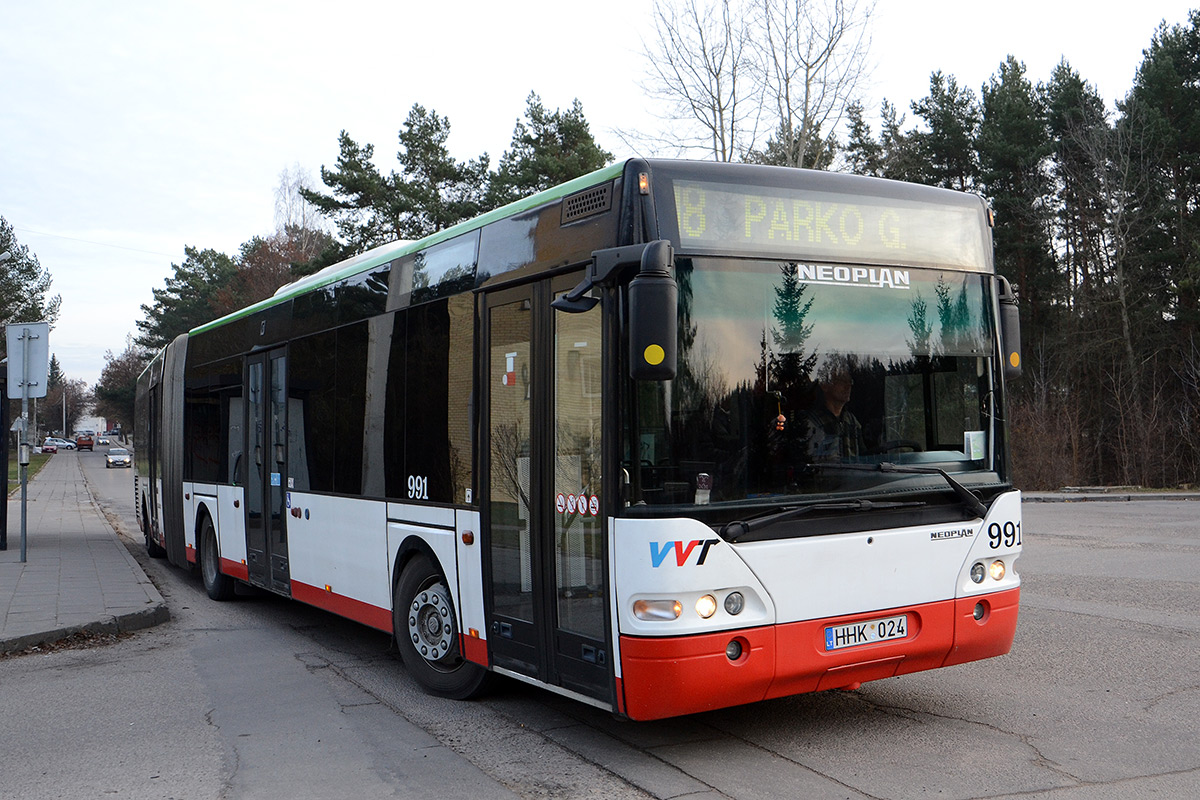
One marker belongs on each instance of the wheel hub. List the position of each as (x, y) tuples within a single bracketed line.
[(430, 623)]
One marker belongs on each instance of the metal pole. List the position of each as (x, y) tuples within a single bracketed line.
[(23, 450)]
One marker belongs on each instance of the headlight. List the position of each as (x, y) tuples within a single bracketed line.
[(978, 572), (657, 609), (734, 603), (996, 570), (706, 606)]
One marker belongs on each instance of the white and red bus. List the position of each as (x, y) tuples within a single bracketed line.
[(671, 437)]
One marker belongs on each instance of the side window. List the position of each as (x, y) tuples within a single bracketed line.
[(428, 460), (350, 408), (443, 270), (311, 411), (213, 421), (393, 429)]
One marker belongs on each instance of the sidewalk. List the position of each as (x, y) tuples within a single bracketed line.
[(77, 575)]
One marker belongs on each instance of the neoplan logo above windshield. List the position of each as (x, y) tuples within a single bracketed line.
[(659, 550), (870, 277)]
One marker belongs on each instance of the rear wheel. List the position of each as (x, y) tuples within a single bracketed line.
[(427, 634), (218, 585), (153, 548)]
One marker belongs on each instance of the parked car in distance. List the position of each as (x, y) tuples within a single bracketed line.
[(49, 446), (63, 444), (83, 441), (118, 457)]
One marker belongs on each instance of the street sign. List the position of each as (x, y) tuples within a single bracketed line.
[(28, 359), (28, 371)]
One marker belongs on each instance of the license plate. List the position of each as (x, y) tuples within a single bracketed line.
[(866, 632)]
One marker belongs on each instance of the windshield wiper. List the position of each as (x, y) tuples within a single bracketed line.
[(732, 531), (968, 498)]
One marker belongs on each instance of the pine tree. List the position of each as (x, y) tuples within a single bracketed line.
[(188, 299), (947, 147), (1014, 147), (548, 148)]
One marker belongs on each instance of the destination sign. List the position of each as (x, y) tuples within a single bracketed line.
[(717, 217)]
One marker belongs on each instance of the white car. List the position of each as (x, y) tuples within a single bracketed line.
[(118, 457)]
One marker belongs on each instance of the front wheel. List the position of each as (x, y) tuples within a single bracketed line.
[(218, 585), (427, 634)]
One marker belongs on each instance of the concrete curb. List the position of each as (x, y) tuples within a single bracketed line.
[(1106, 497), (122, 623)]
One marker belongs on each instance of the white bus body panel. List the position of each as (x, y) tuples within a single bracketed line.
[(198, 496), (231, 523), (340, 545), (470, 575), (801, 578), (433, 525)]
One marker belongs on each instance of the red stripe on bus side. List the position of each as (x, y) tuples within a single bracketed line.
[(357, 610), (474, 649), (235, 569)]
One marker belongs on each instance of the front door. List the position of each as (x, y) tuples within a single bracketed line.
[(266, 465), (543, 491)]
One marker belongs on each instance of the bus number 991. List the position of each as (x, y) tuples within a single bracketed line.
[(1007, 536), (418, 487)]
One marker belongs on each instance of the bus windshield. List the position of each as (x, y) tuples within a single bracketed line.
[(795, 377)]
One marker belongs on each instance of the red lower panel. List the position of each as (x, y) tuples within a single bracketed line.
[(235, 569), (474, 649), (191, 554), (666, 677), (367, 614), (992, 635), (684, 675)]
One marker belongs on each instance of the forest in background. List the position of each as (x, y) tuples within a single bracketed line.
[(1097, 211)]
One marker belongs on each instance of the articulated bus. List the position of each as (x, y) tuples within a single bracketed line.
[(673, 436)]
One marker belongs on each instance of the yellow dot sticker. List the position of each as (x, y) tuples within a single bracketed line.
[(1014, 359), (654, 355)]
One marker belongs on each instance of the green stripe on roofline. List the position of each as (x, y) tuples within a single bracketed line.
[(390, 252)]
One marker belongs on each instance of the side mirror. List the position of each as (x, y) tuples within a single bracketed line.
[(1010, 328), (654, 316)]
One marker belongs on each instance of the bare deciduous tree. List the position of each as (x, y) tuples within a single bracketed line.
[(701, 70), (813, 56), (724, 69), (295, 214)]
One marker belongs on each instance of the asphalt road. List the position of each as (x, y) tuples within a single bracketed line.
[(264, 697)]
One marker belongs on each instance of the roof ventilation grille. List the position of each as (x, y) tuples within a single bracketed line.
[(587, 203)]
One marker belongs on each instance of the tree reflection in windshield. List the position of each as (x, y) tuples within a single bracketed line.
[(783, 366)]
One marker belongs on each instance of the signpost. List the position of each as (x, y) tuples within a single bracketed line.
[(28, 370)]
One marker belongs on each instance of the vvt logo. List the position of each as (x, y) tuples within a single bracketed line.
[(659, 550)]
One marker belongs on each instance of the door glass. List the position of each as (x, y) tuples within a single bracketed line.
[(254, 481), (577, 539), (276, 469), (509, 377)]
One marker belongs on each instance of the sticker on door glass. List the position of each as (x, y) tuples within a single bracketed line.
[(275, 479), (510, 370)]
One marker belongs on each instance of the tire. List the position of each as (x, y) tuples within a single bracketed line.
[(218, 585), (427, 634)]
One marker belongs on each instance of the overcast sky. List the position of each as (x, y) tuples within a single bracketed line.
[(131, 129)]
